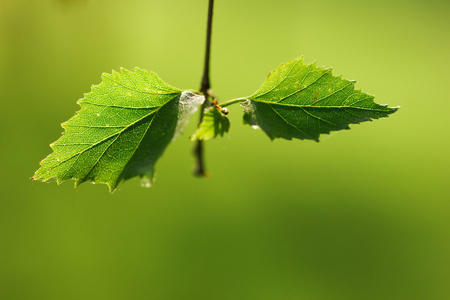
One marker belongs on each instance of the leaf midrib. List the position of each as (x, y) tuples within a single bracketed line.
[(313, 106)]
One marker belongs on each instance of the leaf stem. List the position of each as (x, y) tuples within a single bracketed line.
[(205, 86), (232, 101)]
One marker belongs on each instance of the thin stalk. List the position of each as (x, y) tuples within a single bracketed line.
[(205, 86), (232, 101)]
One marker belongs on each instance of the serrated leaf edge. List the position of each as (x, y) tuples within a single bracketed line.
[(80, 102)]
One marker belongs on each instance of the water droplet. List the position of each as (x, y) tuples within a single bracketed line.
[(145, 182)]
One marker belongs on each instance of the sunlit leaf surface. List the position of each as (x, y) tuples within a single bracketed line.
[(303, 101), (123, 127)]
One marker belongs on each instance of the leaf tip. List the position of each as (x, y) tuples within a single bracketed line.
[(392, 110), (78, 182), (124, 70), (105, 76), (388, 109), (139, 70), (295, 60)]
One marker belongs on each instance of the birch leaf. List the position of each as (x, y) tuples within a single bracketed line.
[(124, 125), (303, 101), (214, 123)]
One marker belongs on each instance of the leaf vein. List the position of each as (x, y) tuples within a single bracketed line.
[(287, 122), (333, 93), (279, 83), (316, 117), (302, 89), (112, 135)]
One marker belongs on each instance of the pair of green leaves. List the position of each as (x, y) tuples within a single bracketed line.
[(126, 122)]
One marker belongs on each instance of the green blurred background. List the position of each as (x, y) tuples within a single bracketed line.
[(364, 214)]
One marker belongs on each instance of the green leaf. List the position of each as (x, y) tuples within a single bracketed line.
[(123, 127), (214, 123), (303, 101)]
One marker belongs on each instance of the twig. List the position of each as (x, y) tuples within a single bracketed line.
[(205, 86)]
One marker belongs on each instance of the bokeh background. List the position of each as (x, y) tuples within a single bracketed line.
[(364, 214)]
